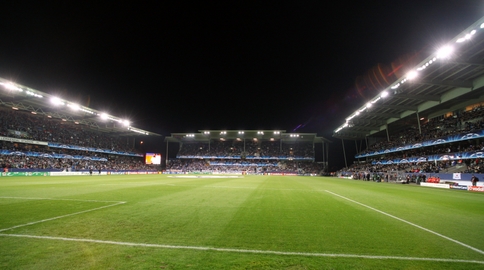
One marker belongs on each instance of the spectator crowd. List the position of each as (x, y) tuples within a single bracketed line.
[(252, 149), (24, 156), (465, 122), (255, 157)]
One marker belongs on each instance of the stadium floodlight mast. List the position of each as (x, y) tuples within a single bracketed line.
[(443, 53)]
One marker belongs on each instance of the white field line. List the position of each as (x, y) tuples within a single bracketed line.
[(408, 222), (58, 217), (255, 251), (58, 199)]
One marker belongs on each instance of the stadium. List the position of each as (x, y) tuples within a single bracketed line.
[(79, 190)]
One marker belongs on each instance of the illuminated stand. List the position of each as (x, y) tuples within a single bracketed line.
[(244, 137), (447, 82), (17, 97)]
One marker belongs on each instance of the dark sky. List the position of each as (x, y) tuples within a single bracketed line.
[(179, 66)]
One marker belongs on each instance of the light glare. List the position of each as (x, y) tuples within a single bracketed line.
[(56, 101), (445, 52)]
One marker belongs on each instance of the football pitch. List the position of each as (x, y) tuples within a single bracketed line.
[(223, 222)]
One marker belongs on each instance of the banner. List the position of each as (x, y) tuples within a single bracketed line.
[(8, 139), (92, 149), (443, 140)]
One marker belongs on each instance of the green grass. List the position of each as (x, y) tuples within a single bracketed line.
[(255, 222)]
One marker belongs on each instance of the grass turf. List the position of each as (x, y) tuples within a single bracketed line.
[(254, 222)]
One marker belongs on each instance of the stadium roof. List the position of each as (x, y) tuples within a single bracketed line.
[(22, 98), (264, 135), (447, 80)]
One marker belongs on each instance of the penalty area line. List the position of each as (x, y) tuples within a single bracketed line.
[(408, 222), (233, 250)]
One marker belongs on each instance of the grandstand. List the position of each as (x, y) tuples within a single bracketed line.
[(429, 120), (40, 132), (247, 151)]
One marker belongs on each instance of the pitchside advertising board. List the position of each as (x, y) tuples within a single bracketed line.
[(453, 186), (9, 174)]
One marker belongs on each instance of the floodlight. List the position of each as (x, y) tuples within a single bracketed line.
[(445, 52), (369, 104), (74, 106), (104, 116), (56, 101), (30, 93), (11, 86), (384, 94), (125, 122), (241, 132), (412, 75)]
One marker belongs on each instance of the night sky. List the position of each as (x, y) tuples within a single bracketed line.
[(179, 66)]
